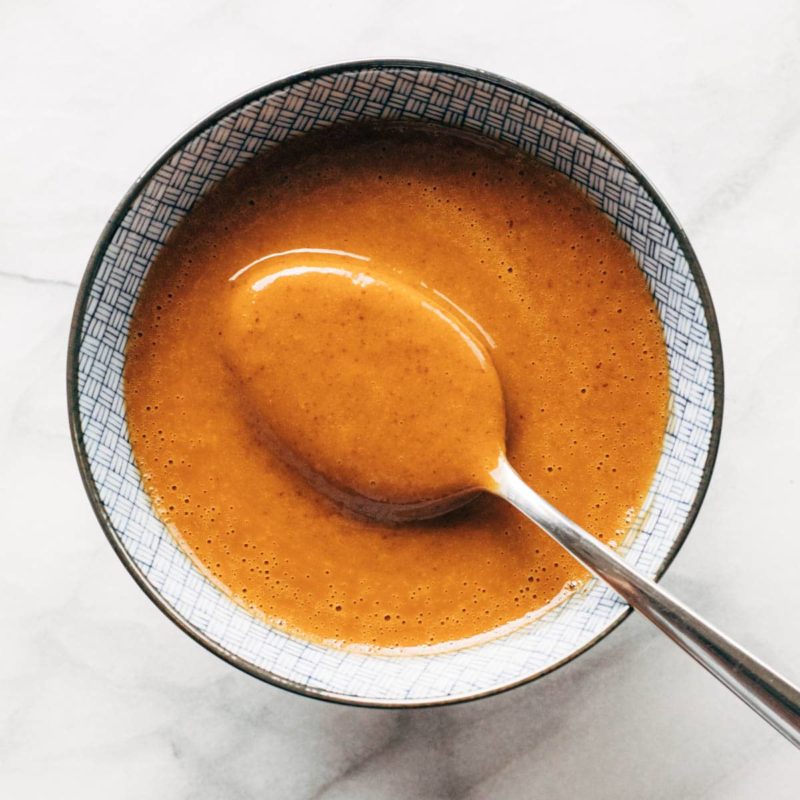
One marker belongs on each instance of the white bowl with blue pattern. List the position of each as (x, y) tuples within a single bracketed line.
[(458, 98)]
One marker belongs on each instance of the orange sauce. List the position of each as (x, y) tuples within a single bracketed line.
[(502, 245)]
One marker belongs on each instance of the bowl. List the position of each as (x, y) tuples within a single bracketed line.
[(458, 98)]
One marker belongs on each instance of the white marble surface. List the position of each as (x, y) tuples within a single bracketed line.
[(101, 696)]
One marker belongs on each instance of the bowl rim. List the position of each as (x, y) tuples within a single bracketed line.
[(93, 265)]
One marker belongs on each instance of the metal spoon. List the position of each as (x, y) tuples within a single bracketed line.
[(766, 692)]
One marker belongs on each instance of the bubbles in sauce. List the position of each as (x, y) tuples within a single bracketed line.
[(506, 247)]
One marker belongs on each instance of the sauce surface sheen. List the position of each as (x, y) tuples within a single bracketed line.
[(505, 247)]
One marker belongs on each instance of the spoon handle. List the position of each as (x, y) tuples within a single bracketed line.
[(766, 692)]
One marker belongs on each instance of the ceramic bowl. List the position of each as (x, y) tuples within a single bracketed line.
[(454, 97)]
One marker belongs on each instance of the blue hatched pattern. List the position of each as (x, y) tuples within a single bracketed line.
[(461, 102)]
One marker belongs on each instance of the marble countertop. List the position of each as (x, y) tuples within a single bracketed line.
[(101, 696)]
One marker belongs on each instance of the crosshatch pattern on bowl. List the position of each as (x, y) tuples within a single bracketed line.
[(467, 101)]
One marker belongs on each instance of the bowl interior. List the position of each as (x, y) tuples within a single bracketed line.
[(460, 99)]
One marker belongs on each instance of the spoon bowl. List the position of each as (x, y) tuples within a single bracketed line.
[(382, 398)]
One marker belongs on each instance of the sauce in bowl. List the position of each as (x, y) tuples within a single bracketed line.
[(501, 245)]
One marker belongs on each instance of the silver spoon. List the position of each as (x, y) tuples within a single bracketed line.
[(345, 291)]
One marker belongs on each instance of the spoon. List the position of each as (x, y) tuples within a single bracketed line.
[(374, 392)]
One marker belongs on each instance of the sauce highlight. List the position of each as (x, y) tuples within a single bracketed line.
[(500, 244)]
